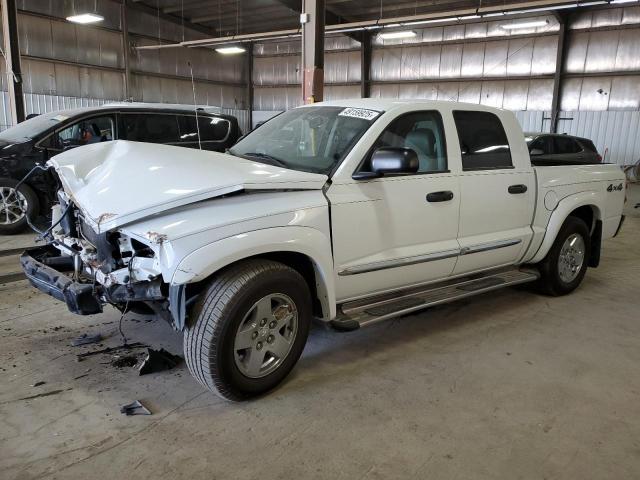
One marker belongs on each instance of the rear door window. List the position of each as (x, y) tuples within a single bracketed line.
[(483, 141), (152, 127), (544, 143), (212, 129), (565, 145)]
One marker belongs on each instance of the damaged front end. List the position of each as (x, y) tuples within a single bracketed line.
[(86, 269)]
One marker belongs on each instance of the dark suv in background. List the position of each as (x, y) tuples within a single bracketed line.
[(558, 149), (34, 141)]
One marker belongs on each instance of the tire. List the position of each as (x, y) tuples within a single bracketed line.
[(13, 211), (230, 313), (562, 271)]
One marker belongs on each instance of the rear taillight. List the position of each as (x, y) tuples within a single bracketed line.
[(599, 157)]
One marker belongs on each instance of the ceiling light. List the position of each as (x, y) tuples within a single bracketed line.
[(85, 18), (396, 35), (519, 25), (230, 50), (622, 1)]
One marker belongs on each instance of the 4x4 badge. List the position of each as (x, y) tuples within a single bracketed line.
[(612, 188)]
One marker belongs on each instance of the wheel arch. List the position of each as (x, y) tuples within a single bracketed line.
[(304, 249), (583, 205)]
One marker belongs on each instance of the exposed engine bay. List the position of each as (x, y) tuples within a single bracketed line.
[(107, 267)]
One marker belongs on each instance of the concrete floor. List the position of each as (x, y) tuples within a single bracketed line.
[(508, 385)]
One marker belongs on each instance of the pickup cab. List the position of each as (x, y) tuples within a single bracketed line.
[(346, 212)]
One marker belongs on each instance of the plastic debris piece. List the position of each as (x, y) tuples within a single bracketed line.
[(158, 360), (135, 408)]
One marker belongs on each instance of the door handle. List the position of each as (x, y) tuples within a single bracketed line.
[(517, 189), (443, 196)]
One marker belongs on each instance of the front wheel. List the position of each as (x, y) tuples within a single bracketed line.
[(564, 267), (15, 205), (249, 329)]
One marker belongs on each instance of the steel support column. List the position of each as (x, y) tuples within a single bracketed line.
[(557, 77), (126, 46), (12, 59), (365, 65), (313, 51), (249, 87)]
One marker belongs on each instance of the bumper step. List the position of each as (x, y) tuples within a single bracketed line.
[(361, 313)]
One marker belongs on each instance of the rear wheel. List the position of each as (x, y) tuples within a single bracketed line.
[(250, 327), (15, 205), (565, 265)]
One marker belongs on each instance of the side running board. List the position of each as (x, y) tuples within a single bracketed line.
[(360, 313)]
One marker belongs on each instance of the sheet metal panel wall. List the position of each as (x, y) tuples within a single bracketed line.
[(469, 31), (509, 94), (603, 51), (509, 57), (207, 63), (41, 103), (171, 90)]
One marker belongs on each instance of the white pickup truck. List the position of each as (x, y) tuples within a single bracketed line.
[(349, 212)]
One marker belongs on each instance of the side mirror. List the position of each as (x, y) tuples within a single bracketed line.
[(536, 151), (394, 160)]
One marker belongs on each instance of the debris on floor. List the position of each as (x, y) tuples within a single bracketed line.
[(45, 394), (126, 346), (158, 360), (37, 384), (124, 361), (135, 408), (86, 339)]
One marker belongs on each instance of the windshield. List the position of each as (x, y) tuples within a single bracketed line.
[(32, 127), (311, 139)]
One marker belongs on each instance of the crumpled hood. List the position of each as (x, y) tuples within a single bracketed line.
[(119, 182)]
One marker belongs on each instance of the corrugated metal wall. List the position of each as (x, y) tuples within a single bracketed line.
[(484, 63), (65, 64)]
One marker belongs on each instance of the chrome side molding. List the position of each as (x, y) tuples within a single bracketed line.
[(484, 247), (399, 262), (429, 257)]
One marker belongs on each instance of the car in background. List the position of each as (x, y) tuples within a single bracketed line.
[(34, 141), (561, 149)]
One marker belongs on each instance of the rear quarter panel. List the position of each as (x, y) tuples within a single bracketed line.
[(562, 189)]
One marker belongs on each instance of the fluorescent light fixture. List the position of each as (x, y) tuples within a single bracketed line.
[(230, 50), (623, 1), (468, 17), (529, 24), (494, 14), (85, 18), (396, 35)]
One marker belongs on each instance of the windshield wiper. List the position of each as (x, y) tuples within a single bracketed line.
[(263, 156)]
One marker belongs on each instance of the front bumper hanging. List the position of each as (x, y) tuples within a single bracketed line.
[(38, 264)]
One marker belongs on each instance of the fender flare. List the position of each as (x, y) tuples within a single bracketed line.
[(561, 212), (312, 243)]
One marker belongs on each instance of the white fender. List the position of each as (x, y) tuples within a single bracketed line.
[(560, 214), (308, 241)]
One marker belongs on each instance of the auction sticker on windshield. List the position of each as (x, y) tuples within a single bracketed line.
[(362, 113)]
